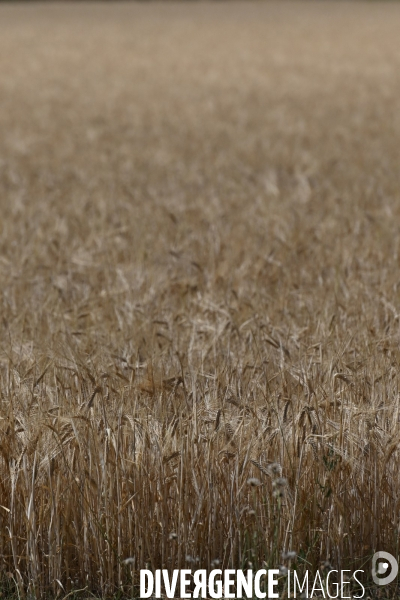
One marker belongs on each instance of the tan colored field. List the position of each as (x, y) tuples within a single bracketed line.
[(199, 276)]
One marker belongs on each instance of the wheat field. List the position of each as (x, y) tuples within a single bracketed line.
[(199, 287)]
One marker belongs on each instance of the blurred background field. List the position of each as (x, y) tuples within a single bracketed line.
[(199, 278)]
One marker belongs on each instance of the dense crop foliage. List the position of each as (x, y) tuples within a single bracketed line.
[(199, 287)]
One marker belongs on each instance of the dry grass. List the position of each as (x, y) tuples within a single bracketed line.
[(199, 276)]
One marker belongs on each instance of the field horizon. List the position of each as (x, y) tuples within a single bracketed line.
[(199, 289)]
